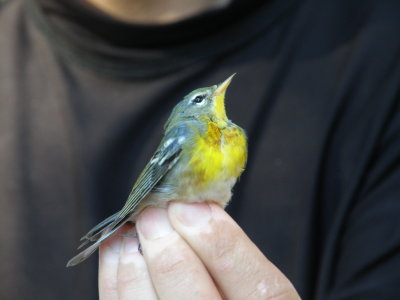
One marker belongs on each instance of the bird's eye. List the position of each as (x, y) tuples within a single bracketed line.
[(199, 99)]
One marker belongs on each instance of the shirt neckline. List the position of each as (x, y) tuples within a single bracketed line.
[(87, 36)]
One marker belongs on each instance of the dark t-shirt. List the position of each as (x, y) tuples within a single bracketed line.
[(83, 99)]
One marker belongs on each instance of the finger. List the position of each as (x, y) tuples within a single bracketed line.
[(239, 268), (133, 277), (176, 271), (108, 265)]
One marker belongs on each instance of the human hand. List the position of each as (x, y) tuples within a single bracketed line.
[(190, 251)]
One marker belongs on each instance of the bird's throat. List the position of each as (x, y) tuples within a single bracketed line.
[(220, 117)]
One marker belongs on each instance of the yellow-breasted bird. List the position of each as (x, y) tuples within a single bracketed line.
[(199, 159)]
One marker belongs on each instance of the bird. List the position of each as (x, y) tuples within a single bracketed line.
[(199, 159)]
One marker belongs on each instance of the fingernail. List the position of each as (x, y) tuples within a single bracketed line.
[(131, 243), (191, 214), (153, 223), (111, 251), (115, 243)]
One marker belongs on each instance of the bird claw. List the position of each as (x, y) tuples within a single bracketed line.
[(129, 235), (140, 248), (133, 235)]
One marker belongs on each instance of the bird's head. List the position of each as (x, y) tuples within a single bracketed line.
[(203, 104)]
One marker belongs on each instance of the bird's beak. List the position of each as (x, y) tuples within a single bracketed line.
[(221, 88), (219, 99)]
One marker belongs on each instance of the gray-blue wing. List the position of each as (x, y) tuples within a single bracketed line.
[(165, 157)]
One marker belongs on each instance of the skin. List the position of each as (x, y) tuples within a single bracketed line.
[(155, 11), (190, 251)]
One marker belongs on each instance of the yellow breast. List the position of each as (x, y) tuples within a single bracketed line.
[(219, 154)]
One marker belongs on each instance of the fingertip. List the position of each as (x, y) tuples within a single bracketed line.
[(110, 249), (190, 214), (219, 214), (130, 242), (153, 223)]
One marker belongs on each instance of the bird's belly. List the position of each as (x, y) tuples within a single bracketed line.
[(185, 191), (206, 171), (215, 164)]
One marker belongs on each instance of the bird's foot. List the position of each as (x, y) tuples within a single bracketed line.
[(133, 235)]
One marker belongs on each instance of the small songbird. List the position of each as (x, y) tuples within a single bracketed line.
[(200, 157)]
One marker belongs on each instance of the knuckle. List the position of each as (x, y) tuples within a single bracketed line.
[(224, 249), (170, 262), (108, 288), (127, 281), (224, 265), (131, 269), (127, 278)]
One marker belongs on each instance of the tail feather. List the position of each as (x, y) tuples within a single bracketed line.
[(99, 228), (107, 227), (83, 244)]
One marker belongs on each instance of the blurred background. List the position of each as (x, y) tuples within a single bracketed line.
[(86, 86)]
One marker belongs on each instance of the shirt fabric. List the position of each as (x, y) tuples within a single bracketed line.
[(83, 99)]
